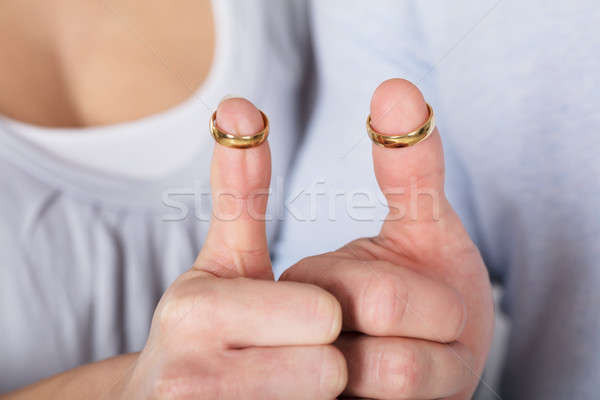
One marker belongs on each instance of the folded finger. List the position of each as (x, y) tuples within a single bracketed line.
[(382, 299), (401, 368), (242, 312), (301, 372)]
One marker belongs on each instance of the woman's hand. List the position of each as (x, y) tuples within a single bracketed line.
[(225, 329), (416, 299)]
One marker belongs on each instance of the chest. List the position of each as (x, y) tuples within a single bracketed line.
[(102, 63)]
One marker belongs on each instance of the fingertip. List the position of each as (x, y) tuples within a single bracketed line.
[(336, 328), (328, 310), (242, 171), (397, 107), (334, 372), (239, 117), (460, 316)]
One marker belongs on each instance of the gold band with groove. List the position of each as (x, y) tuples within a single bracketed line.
[(408, 139), (238, 142)]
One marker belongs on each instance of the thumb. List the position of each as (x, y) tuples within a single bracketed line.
[(236, 244), (411, 178)]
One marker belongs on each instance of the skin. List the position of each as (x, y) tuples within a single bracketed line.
[(72, 63), (225, 329), (414, 302), (416, 299)]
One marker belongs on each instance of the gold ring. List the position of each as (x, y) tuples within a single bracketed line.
[(238, 142), (408, 139)]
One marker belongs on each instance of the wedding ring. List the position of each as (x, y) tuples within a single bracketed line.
[(238, 142), (408, 139)]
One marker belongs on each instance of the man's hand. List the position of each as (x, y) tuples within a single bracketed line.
[(416, 299), (225, 329)]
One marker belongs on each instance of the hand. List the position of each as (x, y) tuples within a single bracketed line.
[(416, 299), (225, 329)]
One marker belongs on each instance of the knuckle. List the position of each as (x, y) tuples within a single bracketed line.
[(399, 371), (291, 273), (383, 303), (180, 302), (166, 311), (182, 380), (168, 388), (334, 372), (457, 315)]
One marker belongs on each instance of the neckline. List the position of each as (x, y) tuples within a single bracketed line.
[(115, 190), (169, 113)]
